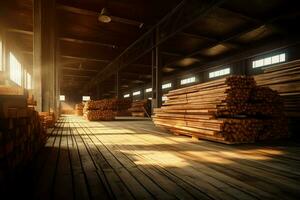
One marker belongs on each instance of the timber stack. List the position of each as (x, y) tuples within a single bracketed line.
[(79, 109), (229, 110), (284, 78), (122, 107), (100, 110), (141, 108), (21, 131), (47, 119)]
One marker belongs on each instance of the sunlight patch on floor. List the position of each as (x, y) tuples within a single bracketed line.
[(164, 159)]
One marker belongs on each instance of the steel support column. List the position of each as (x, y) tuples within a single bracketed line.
[(117, 86), (158, 65), (153, 63)]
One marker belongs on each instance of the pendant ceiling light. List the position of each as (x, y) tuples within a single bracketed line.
[(104, 16)]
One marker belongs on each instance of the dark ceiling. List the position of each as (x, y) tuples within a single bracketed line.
[(86, 46)]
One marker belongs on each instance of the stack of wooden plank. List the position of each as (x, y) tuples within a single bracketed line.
[(21, 131), (47, 119), (79, 109), (141, 108), (100, 115), (228, 110), (122, 107), (284, 78), (104, 109)]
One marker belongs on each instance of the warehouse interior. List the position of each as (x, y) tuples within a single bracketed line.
[(137, 99)]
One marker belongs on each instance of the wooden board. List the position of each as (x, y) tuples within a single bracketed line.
[(11, 90), (136, 160)]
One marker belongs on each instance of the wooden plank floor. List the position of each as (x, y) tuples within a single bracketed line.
[(131, 159)]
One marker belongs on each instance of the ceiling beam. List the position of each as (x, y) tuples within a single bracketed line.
[(239, 33), (171, 54), (141, 65), (127, 21), (79, 69), (79, 41), (131, 73), (242, 15), (84, 58), (182, 16), (14, 30), (198, 36), (73, 81), (135, 76), (99, 60), (203, 37), (67, 39), (95, 14), (77, 76)]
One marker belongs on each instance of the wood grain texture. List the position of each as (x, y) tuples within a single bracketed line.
[(132, 159)]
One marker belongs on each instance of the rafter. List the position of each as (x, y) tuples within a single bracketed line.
[(75, 40), (171, 54), (20, 31), (198, 36), (84, 58), (94, 14), (79, 69), (182, 16), (231, 37), (242, 15), (77, 76)]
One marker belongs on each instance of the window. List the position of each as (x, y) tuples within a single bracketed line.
[(28, 83), (269, 60), (62, 97), (15, 69), (86, 98), (167, 85), (188, 80), (126, 95), (136, 93), (164, 98), (221, 72), (148, 90)]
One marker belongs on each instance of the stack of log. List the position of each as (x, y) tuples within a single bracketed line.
[(141, 108), (229, 110), (284, 78), (122, 107), (103, 110), (21, 132), (79, 109)]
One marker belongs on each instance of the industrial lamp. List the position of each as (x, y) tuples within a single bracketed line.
[(104, 16)]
